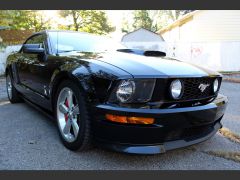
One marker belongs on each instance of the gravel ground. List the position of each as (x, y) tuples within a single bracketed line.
[(29, 140), (232, 115), (3, 94)]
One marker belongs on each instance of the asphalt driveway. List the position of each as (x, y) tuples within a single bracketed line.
[(29, 140)]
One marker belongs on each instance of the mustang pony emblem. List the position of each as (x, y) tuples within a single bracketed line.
[(202, 87)]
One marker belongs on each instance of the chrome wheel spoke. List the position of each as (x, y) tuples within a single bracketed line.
[(70, 99), (63, 109), (67, 127), (75, 127)]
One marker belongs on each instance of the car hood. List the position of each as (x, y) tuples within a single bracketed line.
[(139, 65)]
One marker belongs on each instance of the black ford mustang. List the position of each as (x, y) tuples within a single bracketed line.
[(124, 99)]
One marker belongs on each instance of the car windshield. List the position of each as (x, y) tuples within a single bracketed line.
[(81, 42)]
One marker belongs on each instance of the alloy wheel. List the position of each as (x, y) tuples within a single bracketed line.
[(68, 114)]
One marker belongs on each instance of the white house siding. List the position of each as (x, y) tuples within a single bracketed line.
[(4, 54), (211, 39), (217, 56), (185, 32), (217, 25), (208, 25)]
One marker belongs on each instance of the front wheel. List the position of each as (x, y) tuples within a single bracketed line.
[(12, 93), (72, 117)]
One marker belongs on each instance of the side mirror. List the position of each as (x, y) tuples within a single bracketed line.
[(33, 49)]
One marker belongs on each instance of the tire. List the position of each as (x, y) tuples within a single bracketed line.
[(81, 141), (13, 94)]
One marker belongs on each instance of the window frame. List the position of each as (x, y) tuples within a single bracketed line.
[(46, 42)]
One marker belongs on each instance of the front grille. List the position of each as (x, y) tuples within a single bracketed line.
[(191, 92)]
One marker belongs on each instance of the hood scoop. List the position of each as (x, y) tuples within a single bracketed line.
[(143, 52)]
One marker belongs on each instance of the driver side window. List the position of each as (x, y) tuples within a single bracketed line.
[(38, 39)]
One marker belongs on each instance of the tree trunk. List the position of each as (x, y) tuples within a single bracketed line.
[(75, 20)]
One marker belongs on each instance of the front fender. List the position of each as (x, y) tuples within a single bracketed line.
[(63, 73), (94, 77)]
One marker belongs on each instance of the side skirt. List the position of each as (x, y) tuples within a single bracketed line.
[(45, 112)]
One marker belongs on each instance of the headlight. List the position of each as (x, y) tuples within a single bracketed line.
[(133, 91), (176, 89), (215, 85), (125, 90)]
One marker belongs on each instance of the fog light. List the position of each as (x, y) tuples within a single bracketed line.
[(129, 120), (176, 89)]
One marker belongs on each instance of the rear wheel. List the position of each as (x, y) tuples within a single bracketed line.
[(72, 117), (12, 93)]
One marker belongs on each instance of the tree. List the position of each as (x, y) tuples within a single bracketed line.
[(37, 21), (126, 26), (30, 19), (153, 20), (24, 19), (176, 14), (142, 20), (91, 21), (4, 17), (163, 18)]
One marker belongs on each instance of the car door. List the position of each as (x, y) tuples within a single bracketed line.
[(22, 64), (34, 71)]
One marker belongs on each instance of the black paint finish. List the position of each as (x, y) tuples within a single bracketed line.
[(37, 76)]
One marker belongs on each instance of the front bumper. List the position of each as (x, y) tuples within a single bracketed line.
[(173, 128)]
